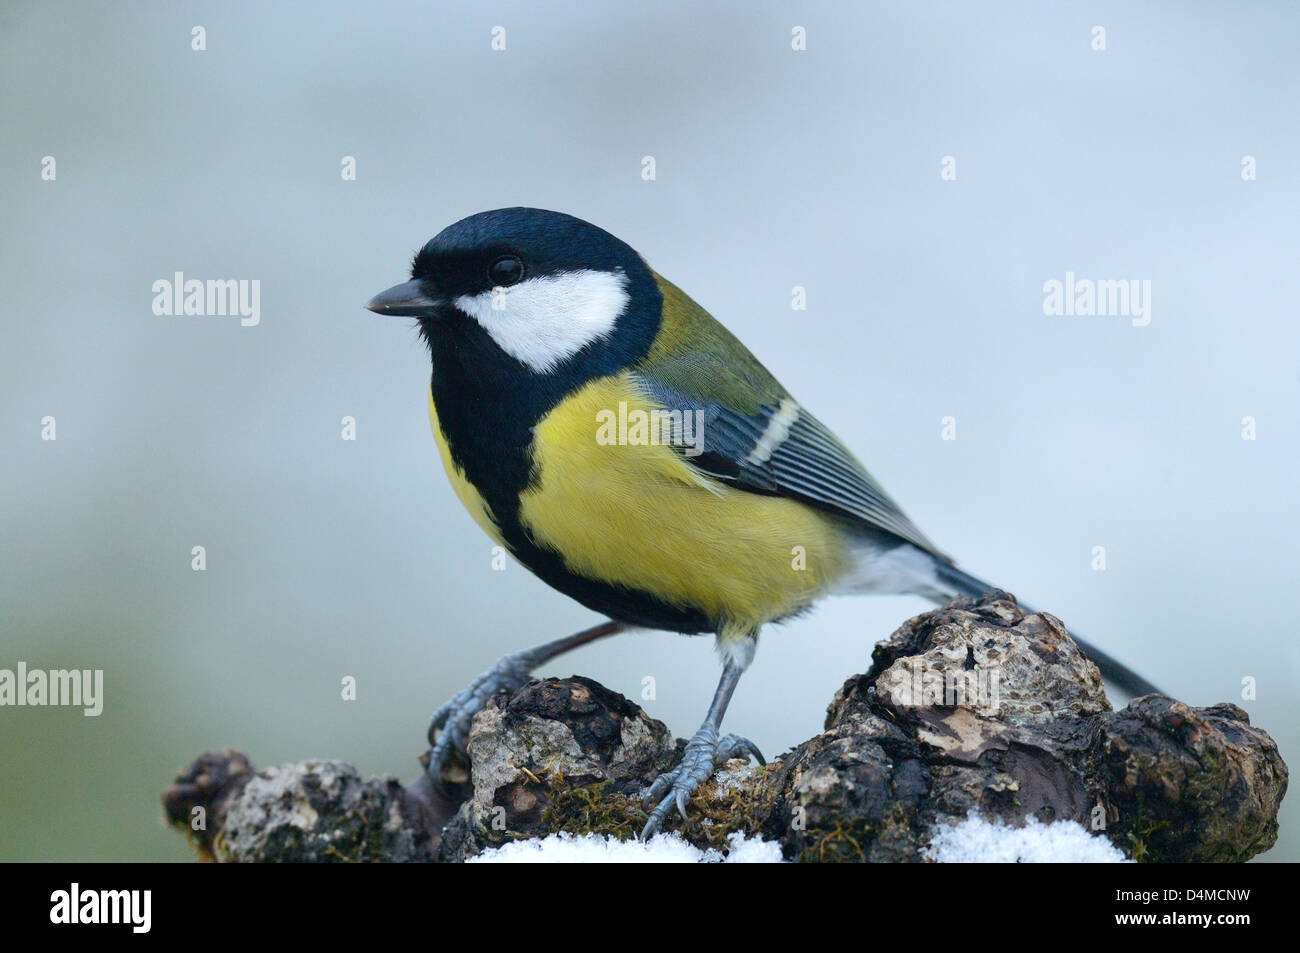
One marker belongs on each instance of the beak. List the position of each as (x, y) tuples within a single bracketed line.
[(408, 299)]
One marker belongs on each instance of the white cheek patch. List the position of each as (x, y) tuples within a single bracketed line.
[(542, 321)]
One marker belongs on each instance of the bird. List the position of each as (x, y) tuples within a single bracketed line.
[(624, 446)]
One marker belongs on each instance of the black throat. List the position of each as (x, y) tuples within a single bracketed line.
[(488, 404), (488, 401)]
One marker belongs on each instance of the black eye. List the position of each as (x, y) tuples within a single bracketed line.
[(505, 271)]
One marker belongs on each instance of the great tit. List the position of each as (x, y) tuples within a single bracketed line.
[(632, 453)]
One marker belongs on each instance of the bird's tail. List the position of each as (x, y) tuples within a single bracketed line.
[(1114, 671)]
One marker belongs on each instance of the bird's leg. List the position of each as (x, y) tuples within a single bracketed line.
[(705, 752), (449, 728)]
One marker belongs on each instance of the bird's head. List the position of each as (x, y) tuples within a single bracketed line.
[(546, 289)]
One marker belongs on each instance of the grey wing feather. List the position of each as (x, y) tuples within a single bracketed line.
[(783, 450)]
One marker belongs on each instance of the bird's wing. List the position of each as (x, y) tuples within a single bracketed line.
[(755, 436)]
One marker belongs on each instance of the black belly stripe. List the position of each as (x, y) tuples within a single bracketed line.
[(633, 606)]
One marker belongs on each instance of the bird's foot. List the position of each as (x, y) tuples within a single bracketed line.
[(704, 754), (449, 727)]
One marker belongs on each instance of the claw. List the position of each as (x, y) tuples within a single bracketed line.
[(438, 720), (449, 727), (657, 790), (704, 753), (658, 815), (734, 746)]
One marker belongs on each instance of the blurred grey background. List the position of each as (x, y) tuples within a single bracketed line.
[(775, 168)]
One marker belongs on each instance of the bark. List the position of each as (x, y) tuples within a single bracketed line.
[(975, 708)]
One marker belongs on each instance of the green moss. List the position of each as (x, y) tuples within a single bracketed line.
[(855, 841), (591, 810), (1138, 837), (714, 815), (845, 843)]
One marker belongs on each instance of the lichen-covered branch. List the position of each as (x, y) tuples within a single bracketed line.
[(972, 708)]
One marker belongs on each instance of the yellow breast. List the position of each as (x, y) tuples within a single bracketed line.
[(638, 515)]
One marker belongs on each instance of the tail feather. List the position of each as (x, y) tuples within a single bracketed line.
[(1113, 670)]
